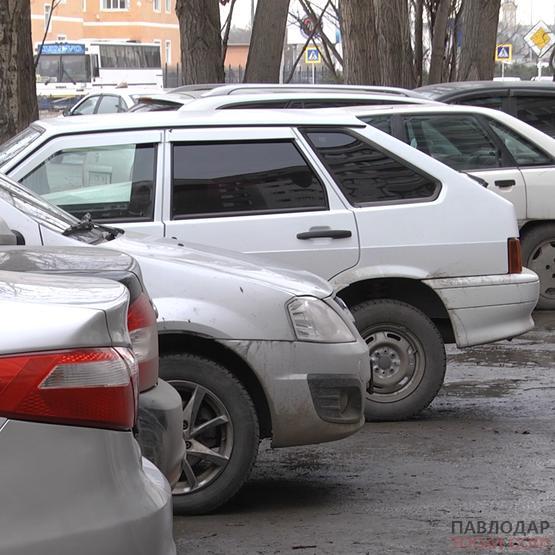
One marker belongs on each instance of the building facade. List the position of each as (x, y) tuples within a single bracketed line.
[(152, 21)]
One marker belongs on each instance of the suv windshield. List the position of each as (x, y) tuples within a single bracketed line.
[(16, 144), (44, 213)]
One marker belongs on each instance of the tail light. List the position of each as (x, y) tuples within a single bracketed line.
[(141, 322), (515, 256), (86, 387)]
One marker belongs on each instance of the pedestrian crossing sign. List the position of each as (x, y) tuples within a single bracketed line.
[(504, 53), (312, 56)]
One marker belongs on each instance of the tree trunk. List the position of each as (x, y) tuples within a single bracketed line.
[(396, 57), (479, 20), (361, 64), (201, 41), (18, 93), (439, 33), (266, 47), (418, 44)]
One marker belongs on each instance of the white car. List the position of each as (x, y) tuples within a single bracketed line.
[(110, 100), (421, 254), (514, 160), (297, 100)]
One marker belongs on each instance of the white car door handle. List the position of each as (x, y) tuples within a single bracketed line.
[(505, 183), (331, 233)]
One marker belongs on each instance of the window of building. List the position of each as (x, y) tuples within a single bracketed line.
[(156, 5), (110, 182), (115, 4), (368, 175), (215, 179), (84, 5), (168, 51), (61, 37), (168, 6), (47, 17)]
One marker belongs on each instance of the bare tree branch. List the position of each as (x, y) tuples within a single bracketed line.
[(53, 5), (307, 42), (226, 29)]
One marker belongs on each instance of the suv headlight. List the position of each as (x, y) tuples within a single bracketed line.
[(314, 320)]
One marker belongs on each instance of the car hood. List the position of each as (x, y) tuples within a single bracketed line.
[(244, 266)]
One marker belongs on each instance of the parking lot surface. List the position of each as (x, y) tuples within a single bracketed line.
[(484, 451)]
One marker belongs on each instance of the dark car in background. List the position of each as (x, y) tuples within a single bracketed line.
[(530, 101)]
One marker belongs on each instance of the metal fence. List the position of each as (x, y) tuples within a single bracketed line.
[(173, 75)]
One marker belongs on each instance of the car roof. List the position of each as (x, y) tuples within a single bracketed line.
[(215, 102), (125, 91), (265, 88), (199, 87), (414, 108), (445, 91), (177, 98), (225, 118)]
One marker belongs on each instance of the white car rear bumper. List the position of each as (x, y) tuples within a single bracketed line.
[(483, 309)]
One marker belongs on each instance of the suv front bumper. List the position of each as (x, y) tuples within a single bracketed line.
[(483, 309), (315, 391)]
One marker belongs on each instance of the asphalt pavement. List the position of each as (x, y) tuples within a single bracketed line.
[(469, 476)]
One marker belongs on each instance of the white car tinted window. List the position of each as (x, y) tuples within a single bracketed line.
[(114, 182), (366, 174), (245, 178)]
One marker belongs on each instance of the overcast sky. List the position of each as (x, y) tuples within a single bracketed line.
[(529, 11)]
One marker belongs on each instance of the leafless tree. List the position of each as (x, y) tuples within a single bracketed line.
[(266, 47), (327, 48), (439, 41), (360, 42), (479, 19), (418, 7), (201, 40), (18, 96), (227, 28)]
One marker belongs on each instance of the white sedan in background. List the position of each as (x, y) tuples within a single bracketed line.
[(110, 101)]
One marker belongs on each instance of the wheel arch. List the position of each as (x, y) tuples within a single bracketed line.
[(407, 290), (181, 342), (534, 224)]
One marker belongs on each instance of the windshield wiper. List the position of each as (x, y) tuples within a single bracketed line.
[(65, 72), (86, 223)]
